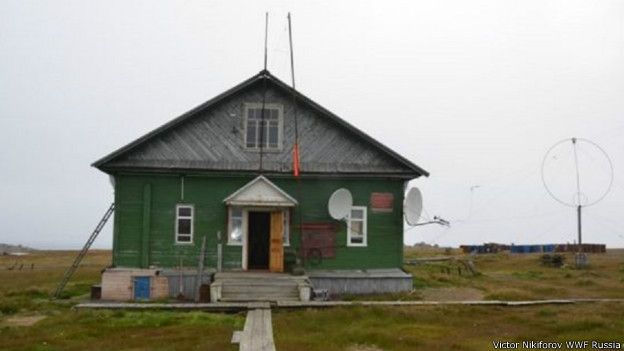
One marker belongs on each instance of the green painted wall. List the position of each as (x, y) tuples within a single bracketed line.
[(145, 218)]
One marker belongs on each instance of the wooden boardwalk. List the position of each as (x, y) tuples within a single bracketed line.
[(216, 306), (258, 332), (241, 306)]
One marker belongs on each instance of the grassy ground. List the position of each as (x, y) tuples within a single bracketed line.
[(30, 321), (24, 297), (443, 327), (506, 276)]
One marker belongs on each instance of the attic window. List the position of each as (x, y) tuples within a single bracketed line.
[(263, 129)]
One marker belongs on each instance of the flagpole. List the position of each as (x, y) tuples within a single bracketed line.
[(266, 35), (262, 128), (292, 73), (296, 169)]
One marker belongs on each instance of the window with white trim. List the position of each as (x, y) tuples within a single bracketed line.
[(356, 226), (263, 128), (184, 224), (286, 225), (235, 226)]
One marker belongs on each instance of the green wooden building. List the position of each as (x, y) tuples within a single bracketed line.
[(223, 171)]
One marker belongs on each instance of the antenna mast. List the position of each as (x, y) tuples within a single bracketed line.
[(296, 146), (578, 194), (266, 35), (262, 128), (292, 59), (294, 96), (580, 199)]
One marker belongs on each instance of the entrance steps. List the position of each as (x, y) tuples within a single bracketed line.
[(259, 286)]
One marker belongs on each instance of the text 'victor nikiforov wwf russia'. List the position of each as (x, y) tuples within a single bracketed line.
[(572, 344)]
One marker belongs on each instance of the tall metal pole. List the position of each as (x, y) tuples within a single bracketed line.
[(579, 227), (578, 194), (262, 128), (580, 260), (266, 35), (292, 59), (296, 146)]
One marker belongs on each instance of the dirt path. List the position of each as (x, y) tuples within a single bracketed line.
[(22, 321)]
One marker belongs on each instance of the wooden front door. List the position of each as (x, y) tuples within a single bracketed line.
[(276, 259)]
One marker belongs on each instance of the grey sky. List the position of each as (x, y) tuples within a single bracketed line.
[(473, 91)]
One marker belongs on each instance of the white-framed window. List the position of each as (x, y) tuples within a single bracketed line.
[(184, 224), (235, 226), (286, 225), (356, 226), (264, 129)]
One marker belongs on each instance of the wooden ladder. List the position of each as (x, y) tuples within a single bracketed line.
[(71, 269)]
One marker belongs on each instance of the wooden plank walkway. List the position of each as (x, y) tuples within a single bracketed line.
[(258, 332), (239, 306), (321, 304), (216, 306)]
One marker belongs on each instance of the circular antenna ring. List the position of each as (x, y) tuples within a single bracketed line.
[(579, 198)]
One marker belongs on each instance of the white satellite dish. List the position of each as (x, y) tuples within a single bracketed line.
[(413, 206), (340, 203)]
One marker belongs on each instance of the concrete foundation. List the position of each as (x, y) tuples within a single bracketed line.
[(118, 283), (183, 284), (357, 282)]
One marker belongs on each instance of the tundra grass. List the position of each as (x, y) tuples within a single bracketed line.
[(506, 276), (119, 330), (443, 327), (26, 292)]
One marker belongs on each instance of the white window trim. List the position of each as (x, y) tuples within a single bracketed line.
[(243, 225), (177, 217), (364, 227), (280, 126)]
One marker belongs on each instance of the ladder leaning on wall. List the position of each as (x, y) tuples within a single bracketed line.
[(71, 269)]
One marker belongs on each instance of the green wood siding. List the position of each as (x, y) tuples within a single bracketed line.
[(145, 219)]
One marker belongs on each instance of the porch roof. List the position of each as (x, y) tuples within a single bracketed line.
[(260, 192)]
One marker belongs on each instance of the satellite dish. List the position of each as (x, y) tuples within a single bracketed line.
[(340, 203), (413, 206)]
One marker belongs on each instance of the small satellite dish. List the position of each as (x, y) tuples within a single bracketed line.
[(340, 203), (413, 206)]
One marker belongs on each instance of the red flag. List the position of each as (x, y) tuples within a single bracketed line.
[(296, 160)]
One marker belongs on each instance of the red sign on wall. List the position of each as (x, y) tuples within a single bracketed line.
[(382, 202)]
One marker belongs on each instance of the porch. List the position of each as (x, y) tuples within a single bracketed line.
[(259, 286)]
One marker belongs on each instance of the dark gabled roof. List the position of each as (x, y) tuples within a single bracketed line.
[(262, 75)]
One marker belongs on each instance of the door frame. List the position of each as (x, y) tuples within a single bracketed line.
[(245, 246)]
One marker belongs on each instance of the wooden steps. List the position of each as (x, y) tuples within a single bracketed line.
[(246, 286)]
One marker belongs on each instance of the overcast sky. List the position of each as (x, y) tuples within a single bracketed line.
[(475, 92)]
